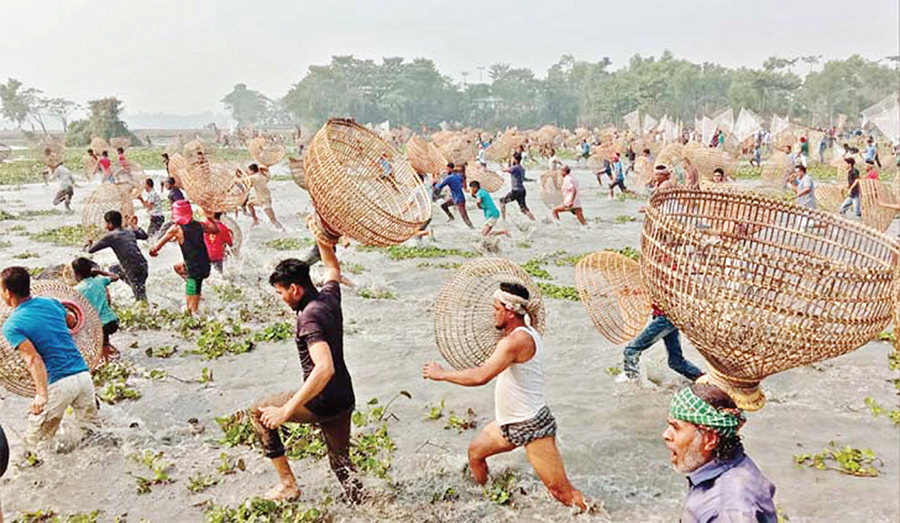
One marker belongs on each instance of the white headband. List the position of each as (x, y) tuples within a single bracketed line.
[(517, 304)]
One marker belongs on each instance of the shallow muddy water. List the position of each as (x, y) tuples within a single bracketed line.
[(610, 434)]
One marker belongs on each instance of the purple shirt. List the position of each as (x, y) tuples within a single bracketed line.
[(732, 491)]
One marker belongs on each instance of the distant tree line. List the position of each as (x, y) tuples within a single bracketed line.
[(574, 92)]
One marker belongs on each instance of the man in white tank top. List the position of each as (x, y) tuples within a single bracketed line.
[(522, 416)]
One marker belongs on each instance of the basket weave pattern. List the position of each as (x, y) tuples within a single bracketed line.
[(354, 195), (14, 374), (106, 197), (464, 311), (215, 186), (490, 181), (613, 294), (266, 152), (872, 192), (760, 286), (424, 157)]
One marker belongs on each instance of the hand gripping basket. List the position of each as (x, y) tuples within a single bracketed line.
[(106, 197), (464, 310), (215, 186), (760, 286), (88, 335), (355, 194), (613, 294), (266, 152)]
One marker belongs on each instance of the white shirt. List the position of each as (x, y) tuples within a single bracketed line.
[(64, 176), (519, 391)]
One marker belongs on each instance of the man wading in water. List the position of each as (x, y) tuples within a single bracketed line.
[(523, 418), (326, 397)]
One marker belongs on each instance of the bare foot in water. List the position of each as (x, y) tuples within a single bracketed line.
[(282, 492)]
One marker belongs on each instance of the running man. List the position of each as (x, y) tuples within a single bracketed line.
[(106, 168), (38, 328), (571, 201), (259, 179), (189, 235), (132, 267), (92, 284), (66, 186), (484, 202), (326, 397), (151, 201), (455, 180), (522, 416), (517, 187)]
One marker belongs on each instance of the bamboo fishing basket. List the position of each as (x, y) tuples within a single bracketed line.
[(355, 195), (760, 286), (216, 186), (871, 193), (464, 310), (87, 334), (106, 197), (266, 152), (613, 294), (490, 181)]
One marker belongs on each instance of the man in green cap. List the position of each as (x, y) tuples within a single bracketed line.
[(724, 483)]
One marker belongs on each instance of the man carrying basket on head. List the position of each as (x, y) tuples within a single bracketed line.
[(522, 416)]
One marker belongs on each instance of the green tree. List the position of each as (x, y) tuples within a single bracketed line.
[(246, 105), (21, 105), (104, 121)]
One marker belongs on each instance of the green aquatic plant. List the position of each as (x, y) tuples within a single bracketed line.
[(558, 292), (624, 218), (198, 482), (258, 510), (878, 410), (443, 265), (846, 460), (501, 488), (289, 244), (461, 423), (229, 465), (158, 467), (217, 339), (65, 236), (277, 332), (407, 252), (26, 255), (376, 294), (534, 268), (160, 352)]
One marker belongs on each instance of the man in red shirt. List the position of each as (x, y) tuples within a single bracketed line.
[(216, 242), (106, 167)]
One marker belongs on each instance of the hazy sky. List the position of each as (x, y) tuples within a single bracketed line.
[(182, 56)]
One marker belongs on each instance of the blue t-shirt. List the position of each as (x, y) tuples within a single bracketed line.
[(455, 182), (42, 321), (517, 177), (620, 174), (487, 204), (94, 289)]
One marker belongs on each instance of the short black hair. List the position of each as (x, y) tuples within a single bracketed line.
[(105, 153), (450, 165), (517, 156), (253, 168), (170, 180), (719, 170), (114, 218), (291, 272), (17, 281), (217, 215), (165, 156), (850, 160), (120, 150), (475, 184), (83, 267), (515, 288), (149, 182), (90, 151), (801, 167)]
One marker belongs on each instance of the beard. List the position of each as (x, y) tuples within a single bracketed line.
[(692, 458)]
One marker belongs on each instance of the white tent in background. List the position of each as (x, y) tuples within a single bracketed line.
[(886, 104), (725, 120), (633, 121), (649, 123), (708, 129), (779, 124), (746, 125), (888, 121)]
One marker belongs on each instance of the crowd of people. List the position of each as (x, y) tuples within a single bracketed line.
[(703, 424)]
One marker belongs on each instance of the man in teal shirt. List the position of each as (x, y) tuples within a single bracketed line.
[(486, 204), (92, 284), (38, 328)]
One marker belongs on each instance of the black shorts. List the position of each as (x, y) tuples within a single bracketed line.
[(108, 330), (618, 183), (519, 196)]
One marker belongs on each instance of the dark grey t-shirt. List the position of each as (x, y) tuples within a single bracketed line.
[(517, 177), (322, 320), (124, 243)]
